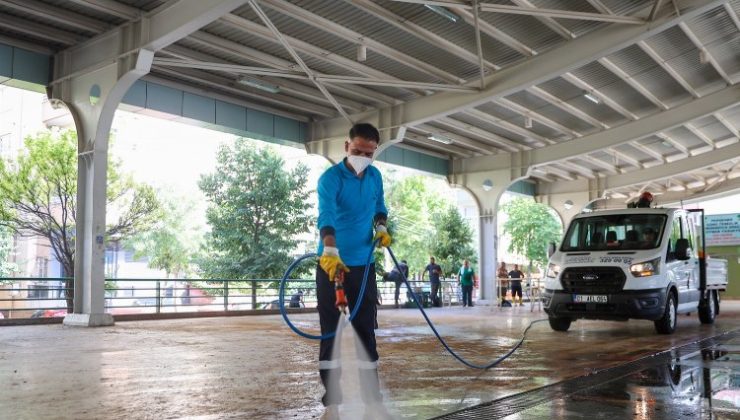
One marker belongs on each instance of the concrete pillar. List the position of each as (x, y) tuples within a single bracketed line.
[(487, 187), (92, 97)]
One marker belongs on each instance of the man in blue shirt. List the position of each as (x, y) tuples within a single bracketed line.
[(352, 214)]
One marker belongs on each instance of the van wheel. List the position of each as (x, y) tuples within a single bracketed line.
[(559, 324), (708, 308), (667, 324)]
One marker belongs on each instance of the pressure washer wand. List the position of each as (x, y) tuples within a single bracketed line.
[(341, 302)]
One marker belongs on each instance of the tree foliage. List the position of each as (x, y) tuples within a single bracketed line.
[(257, 208), (7, 268), (410, 204), (531, 227), (38, 196), (174, 241), (452, 240)]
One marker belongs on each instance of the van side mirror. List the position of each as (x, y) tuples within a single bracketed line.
[(550, 249), (683, 252)]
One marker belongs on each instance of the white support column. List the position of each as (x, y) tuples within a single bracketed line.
[(92, 98), (486, 187), (91, 79)]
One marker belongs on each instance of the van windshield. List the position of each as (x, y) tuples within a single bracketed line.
[(615, 232)]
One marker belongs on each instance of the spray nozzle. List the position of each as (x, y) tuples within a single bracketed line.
[(341, 298)]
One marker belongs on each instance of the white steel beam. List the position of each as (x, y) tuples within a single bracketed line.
[(506, 125), (611, 103), (570, 109), (728, 125), (624, 157), (451, 149), (111, 7), (668, 69), (537, 117), (698, 133), (695, 39), (155, 30), (39, 31), (240, 50), (561, 14), (347, 34), (495, 33), (458, 139), (543, 67), (612, 169), (276, 33), (263, 32), (418, 31), (632, 82), (635, 130), (491, 138), (56, 14), (548, 21)]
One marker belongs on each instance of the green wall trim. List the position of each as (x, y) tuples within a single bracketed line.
[(152, 98), (24, 69), (414, 160), (523, 187)]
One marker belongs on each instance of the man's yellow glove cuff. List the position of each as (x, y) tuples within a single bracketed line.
[(382, 233), (331, 263)]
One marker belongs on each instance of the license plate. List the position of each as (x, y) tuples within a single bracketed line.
[(590, 298)]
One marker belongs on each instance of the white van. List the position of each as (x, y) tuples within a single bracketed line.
[(639, 263)]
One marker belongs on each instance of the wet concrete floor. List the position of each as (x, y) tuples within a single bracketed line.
[(255, 367)]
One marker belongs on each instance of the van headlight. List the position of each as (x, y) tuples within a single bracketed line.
[(646, 268), (553, 270)]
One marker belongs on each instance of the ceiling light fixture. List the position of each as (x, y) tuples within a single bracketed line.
[(259, 84), (443, 12), (703, 56), (591, 97), (440, 139), (361, 53), (528, 122)]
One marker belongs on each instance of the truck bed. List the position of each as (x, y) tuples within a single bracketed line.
[(716, 274)]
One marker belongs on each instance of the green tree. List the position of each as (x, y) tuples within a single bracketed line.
[(452, 240), (6, 243), (412, 203), (531, 227), (38, 196), (173, 242), (257, 209)]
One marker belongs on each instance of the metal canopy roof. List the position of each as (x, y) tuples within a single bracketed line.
[(369, 55)]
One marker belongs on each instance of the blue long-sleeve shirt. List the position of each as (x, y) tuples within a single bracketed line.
[(348, 207)]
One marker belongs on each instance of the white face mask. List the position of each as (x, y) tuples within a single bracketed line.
[(359, 163)]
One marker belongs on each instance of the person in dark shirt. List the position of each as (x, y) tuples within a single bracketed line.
[(516, 277), (397, 277), (297, 299), (434, 271)]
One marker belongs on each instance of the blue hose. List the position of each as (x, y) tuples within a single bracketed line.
[(353, 313)]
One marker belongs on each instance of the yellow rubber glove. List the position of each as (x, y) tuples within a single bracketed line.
[(382, 233), (330, 262)]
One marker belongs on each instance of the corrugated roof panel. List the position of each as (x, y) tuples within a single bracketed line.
[(727, 55), (573, 95), (622, 7), (458, 32), (713, 26), (527, 29), (578, 26), (11, 13), (366, 24), (663, 86), (505, 114), (615, 88), (554, 113), (87, 11), (484, 125), (143, 4), (712, 128), (685, 137), (695, 73)]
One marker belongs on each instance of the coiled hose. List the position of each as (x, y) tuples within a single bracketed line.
[(356, 308)]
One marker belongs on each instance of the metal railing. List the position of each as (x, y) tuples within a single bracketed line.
[(37, 297)]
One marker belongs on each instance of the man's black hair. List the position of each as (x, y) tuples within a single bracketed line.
[(366, 131)]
